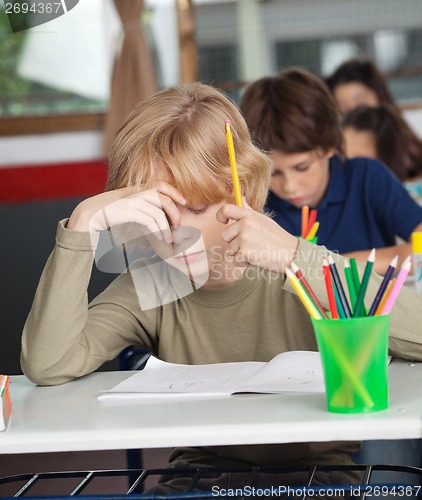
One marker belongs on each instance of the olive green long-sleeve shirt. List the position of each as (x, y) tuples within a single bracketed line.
[(254, 318)]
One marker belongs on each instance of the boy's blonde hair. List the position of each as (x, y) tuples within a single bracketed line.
[(178, 136)]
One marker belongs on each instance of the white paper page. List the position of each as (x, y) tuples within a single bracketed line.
[(160, 378), (295, 371)]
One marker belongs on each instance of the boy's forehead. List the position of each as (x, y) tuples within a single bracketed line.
[(194, 185)]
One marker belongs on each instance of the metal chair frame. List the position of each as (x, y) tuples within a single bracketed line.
[(359, 490)]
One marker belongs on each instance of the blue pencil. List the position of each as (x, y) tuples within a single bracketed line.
[(383, 286), (339, 287)]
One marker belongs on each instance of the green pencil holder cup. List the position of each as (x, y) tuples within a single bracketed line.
[(354, 356)]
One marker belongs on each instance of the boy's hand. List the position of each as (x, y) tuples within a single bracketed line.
[(154, 209), (256, 239)]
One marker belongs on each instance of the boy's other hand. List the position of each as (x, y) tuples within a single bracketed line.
[(256, 239)]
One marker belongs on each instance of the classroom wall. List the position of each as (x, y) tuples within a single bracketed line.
[(32, 200), (49, 148), (82, 146), (42, 179)]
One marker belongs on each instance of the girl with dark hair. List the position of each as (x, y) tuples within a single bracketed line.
[(359, 82), (376, 133)]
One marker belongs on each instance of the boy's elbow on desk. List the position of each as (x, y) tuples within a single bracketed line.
[(42, 375), (39, 377)]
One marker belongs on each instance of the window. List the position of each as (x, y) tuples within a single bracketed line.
[(63, 68), (397, 52), (321, 34), (50, 69), (218, 66)]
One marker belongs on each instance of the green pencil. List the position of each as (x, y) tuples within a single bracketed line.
[(340, 308), (359, 309), (350, 283), (355, 274)]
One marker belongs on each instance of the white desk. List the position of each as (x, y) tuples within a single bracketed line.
[(70, 418)]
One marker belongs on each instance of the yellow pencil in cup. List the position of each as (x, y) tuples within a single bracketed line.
[(232, 158), (302, 294)]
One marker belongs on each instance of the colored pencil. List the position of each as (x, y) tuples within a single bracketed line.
[(329, 287), (232, 158), (300, 290), (339, 286), (311, 234), (305, 220), (359, 309), (384, 299), (4, 380), (312, 219), (350, 284), (299, 275), (340, 308), (401, 278), (383, 287), (355, 273)]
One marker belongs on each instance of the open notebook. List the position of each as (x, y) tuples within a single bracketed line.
[(294, 371)]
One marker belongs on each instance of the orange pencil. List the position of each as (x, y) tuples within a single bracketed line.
[(385, 297), (312, 218), (305, 220)]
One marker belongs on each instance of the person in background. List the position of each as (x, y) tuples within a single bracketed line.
[(359, 82), (378, 132), (361, 204)]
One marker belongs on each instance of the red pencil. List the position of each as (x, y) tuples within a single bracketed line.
[(302, 279), (312, 218), (330, 290), (305, 220)]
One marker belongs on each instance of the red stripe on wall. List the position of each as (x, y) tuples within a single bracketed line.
[(42, 182)]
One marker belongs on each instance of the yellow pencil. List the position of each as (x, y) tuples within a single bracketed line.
[(313, 231), (232, 158), (303, 296)]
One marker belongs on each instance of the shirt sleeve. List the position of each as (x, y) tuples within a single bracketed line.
[(64, 337)]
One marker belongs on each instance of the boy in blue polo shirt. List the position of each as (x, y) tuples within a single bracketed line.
[(361, 204)]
